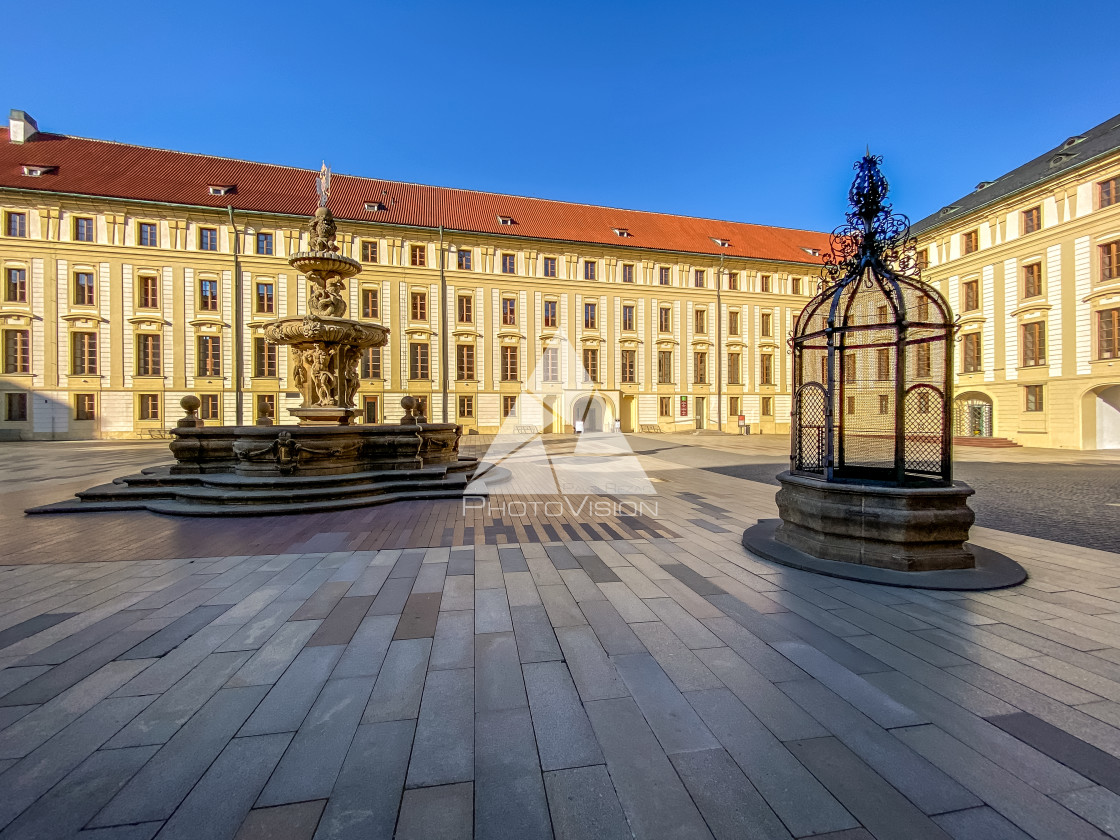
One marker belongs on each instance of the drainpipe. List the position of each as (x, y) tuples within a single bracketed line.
[(443, 324), (238, 328)]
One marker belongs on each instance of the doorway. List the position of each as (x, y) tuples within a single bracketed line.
[(701, 412), (972, 415), (590, 411), (550, 419), (628, 414)]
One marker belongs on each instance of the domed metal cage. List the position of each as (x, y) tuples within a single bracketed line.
[(872, 356)]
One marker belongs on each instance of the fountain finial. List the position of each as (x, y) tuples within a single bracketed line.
[(323, 185)]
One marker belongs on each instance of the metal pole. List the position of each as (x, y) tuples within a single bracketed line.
[(719, 348), (238, 329), (443, 323)]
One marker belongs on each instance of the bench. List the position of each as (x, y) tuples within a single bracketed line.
[(650, 428)]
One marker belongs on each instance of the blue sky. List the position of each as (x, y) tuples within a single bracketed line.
[(745, 111)]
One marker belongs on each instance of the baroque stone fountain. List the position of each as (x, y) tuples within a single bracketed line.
[(326, 462)]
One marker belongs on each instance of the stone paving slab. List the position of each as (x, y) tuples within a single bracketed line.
[(400, 676)]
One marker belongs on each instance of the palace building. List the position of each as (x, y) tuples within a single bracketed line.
[(134, 276), (1030, 262)]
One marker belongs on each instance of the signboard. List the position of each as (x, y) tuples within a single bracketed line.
[(684, 406)]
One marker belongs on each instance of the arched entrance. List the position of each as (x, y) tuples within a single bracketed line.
[(972, 415), (1101, 418), (592, 411)]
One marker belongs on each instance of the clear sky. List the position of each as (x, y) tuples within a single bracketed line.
[(745, 111)]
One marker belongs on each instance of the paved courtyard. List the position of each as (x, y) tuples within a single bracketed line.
[(421, 671)]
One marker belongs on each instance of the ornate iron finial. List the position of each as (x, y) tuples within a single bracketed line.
[(323, 184), (874, 236)]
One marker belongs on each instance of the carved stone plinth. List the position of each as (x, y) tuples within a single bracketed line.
[(323, 416), (910, 529)]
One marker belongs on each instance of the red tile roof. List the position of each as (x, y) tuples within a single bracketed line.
[(102, 168)]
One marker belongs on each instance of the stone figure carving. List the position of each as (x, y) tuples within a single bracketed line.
[(323, 231), (300, 374), (324, 377), (323, 184), (350, 370), (326, 300)]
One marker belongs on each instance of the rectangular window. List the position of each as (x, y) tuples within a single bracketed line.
[(734, 369), (466, 406), (733, 406), (1108, 334), (83, 289), (15, 407), (1034, 344), (665, 406), (1033, 394), (208, 239), (149, 235), (419, 255), (17, 351), (923, 360), (549, 268), (627, 273), (509, 263), (663, 276), (970, 242), (767, 406), (629, 366), (149, 291), (1110, 261), (923, 308), (210, 408), (266, 405), (369, 250), (884, 314), (148, 361), (15, 286), (850, 405), (733, 322), (766, 369), (970, 296), (550, 313), (922, 259), (419, 306), (85, 407), (664, 367), (264, 357), (371, 307), (733, 281), (884, 404), (509, 312), (510, 369), (1032, 280), (149, 406), (83, 230), (209, 355), (590, 317), (698, 278), (16, 224), (465, 309), (463, 259), (970, 361), (1109, 192), (264, 244), (700, 321), (372, 412), (764, 283), (665, 319), (265, 303), (418, 360), (628, 317), (849, 367), (883, 363), (795, 285), (509, 405), (766, 324), (550, 364), (1032, 220), (371, 363), (700, 367), (588, 269), (464, 362), (83, 353), (590, 364), (208, 295)]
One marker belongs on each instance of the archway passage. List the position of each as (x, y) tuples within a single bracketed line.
[(1107, 410), (591, 411), (973, 415)]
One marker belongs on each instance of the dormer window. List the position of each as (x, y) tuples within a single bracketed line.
[(623, 232), (723, 243), (812, 252), (506, 220), (375, 207), (37, 171), (223, 189)]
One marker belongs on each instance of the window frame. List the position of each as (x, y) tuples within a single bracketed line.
[(465, 363), (418, 306), (549, 316), (1037, 331), (509, 263), (204, 299), (971, 353), (85, 407), (465, 405), (590, 315), (665, 319), (371, 363), (1031, 220), (509, 311), (419, 361), (734, 368), (266, 239), (628, 272), (142, 237), (1034, 398), (1108, 192), (589, 269), (264, 304), (370, 297), (148, 283), (463, 261), (1111, 315), (509, 362), (418, 256), (590, 368), (82, 225), (970, 295), (370, 251), (464, 309), (264, 358), (17, 351), (1027, 295), (148, 407), (628, 360), (700, 367), (208, 235), (665, 367), (627, 317), (19, 218), (1110, 260), (84, 361), (664, 276), (203, 368), (548, 268), (149, 354), (15, 284), (766, 369), (91, 287)]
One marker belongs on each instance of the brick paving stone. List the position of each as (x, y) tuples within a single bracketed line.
[(339, 626), (458, 593), (652, 795), (461, 562), (367, 648), (499, 684), (563, 733), (400, 682), (561, 557), (491, 611), (453, 644), (443, 750), (594, 674), (731, 806), (436, 813), (284, 822), (418, 619), (583, 804), (288, 701), (512, 558), (430, 578), (311, 764), (365, 798), (614, 634), (509, 791), (536, 640), (520, 589)]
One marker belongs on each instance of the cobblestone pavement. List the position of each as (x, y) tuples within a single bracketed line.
[(635, 677)]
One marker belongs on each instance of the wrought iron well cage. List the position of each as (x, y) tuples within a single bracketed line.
[(872, 355)]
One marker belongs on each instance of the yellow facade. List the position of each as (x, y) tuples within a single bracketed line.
[(144, 279), (1033, 278)]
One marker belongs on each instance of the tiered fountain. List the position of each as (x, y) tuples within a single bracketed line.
[(325, 462)]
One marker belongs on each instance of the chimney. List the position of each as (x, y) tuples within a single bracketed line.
[(21, 127)]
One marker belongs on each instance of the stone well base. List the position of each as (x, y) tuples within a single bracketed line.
[(907, 529)]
